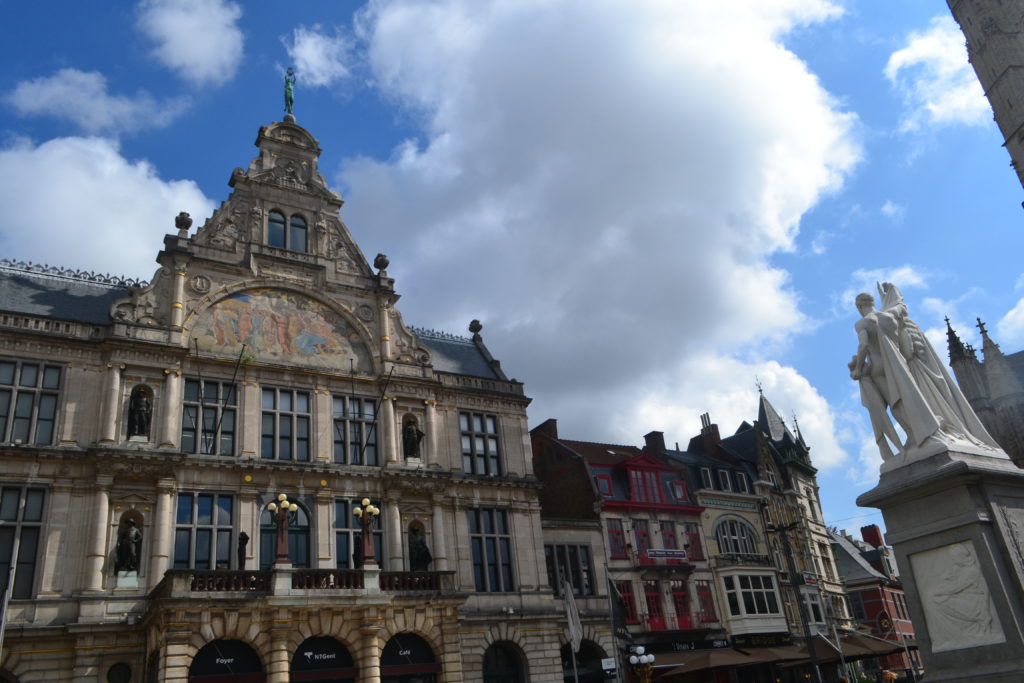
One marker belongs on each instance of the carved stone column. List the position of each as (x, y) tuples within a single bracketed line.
[(53, 581), (387, 428), (160, 559), (176, 657), (98, 540), (111, 403), (172, 398), (178, 304), (250, 413), (278, 662), (438, 549), (394, 536), (430, 456), (324, 425), (385, 332), (324, 519)]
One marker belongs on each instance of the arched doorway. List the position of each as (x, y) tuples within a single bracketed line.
[(588, 662), (325, 660), (504, 663), (407, 658), (226, 661), (298, 538)]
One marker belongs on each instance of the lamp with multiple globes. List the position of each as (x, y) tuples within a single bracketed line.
[(642, 663), (366, 515), (281, 508)]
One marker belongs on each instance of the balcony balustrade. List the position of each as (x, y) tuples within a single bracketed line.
[(740, 560), (182, 583)]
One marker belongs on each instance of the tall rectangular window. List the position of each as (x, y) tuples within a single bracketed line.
[(491, 544), (348, 537), (616, 538), (694, 548), (857, 606), (285, 425), (705, 478), (655, 613), (723, 480), (642, 536), (204, 531), (208, 417), (681, 603), (570, 563), (29, 395), (628, 603), (669, 540), (480, 449), (706, 599), (355, 430), (21, 519), (741, 483)]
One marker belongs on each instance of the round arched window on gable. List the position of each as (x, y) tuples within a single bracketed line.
[(297, 234), (275, 229)]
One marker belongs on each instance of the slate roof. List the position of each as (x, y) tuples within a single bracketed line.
[(58, 293), (853, 566), (456, 355), (602, 453)]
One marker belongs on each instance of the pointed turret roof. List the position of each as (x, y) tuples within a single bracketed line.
[(956, 347), (770, 421)]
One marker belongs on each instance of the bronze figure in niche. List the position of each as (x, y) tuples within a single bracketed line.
[(129, 547), (419, 554), (140, 412), (411, 437)]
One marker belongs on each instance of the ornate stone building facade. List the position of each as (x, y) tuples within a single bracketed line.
[(995, 46), (146, 427)]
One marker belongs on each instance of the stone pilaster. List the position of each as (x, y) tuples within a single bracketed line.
[(98, 540), (279, 660), (52, 581), (388, 429), (161, 529), (430, 457), (394, 536), (369, 654), (437, 533), (249, 419), (325, 539), (172, 398), (111, 403), (324, 425)]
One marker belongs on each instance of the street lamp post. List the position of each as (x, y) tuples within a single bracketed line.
[(281, 512), (783, 532), (642, 663), (366, 515)]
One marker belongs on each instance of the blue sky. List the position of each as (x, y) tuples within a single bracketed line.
[(652, 206)]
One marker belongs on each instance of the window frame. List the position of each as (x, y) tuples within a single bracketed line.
[(15, 410), (571, 561), (603, 481), (358, 447), (224, 404), (706, 600), (629, 610), (294, 418), (695, 547), (705, 478), (751, 601), (215, 529), (742, 484), (736, 537), (299, 537), (724, 480), (616, 539), (679, 491), (476, 428), (285, 233), (24, 522), (349, 532), (491, 549)]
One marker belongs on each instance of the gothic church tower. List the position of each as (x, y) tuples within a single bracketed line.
[(995, 47)]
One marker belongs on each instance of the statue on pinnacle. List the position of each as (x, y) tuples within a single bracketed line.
[(289, 93)]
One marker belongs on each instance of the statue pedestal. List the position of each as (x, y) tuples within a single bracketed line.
[(127, 580), (956, 523)]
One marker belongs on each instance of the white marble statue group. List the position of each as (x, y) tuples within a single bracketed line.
[(902, 378)]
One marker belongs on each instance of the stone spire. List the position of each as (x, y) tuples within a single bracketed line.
[(1002, 380), (957, 351)]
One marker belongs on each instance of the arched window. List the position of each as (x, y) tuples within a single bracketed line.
[(298, 538), (588, 663), (322, 658), (275, 229), (297, 234), (407, 658), (735, 536), (503, 664), (226, 660)]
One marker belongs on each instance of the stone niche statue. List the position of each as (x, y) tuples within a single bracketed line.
[(140, 412), (411, 438), (419, 554), (129, 547), (902, 378)]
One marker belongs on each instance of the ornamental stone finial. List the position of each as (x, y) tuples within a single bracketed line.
[(183, 222)]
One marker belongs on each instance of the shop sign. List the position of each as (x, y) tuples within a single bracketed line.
[(667, 553), (762, 640)]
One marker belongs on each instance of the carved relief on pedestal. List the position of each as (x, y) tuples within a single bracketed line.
[(956, 600)]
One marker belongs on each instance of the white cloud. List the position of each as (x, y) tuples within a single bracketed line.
[(199, 39), (320, 59), (81, 97), (893, 211), (92, 198), (936, 81), (867, 280), (613, 171), (1011, 327)]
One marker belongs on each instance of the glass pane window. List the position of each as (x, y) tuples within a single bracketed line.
[(204, 531), (285, 425), (480, 450), (491, 549), (570, 563), (348, 536), (616, 538), (21, 516), (275, 229), (29, 397), (735, 536), (355, 430), (298, 538), (208, 417), (297, 234), (751, 595)]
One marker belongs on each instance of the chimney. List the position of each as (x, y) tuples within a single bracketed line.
[(872, 535), (655, 442), (709, 432)]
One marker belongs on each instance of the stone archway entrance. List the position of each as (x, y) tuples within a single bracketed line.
[(325, 660), (407, 658), (226, 661)]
